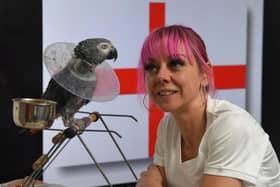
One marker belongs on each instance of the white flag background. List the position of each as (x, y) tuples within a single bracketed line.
[(222, 25)]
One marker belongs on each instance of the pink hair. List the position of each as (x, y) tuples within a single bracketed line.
[(165, 42)]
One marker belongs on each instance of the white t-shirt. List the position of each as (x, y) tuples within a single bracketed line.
[(233, 145)]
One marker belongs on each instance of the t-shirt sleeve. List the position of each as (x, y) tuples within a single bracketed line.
[(159, 146), (236, 147)]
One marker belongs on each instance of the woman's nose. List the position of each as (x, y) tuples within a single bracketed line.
[(163, 74)]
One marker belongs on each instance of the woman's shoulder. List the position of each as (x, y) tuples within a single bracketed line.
[(235, 129), (220, 109), (222, 106), (225, 116)]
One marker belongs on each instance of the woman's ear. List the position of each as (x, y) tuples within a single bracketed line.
[(204, 77), (209, 65), (204, 80)]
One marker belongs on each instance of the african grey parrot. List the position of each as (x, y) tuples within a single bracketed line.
[(81, 71)]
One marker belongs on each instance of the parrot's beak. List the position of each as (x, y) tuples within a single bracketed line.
[(113, 54)]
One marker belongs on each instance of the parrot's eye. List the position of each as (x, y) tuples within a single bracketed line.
[(104, 46)]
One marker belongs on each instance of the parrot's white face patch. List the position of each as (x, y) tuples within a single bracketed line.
[(104, 46)]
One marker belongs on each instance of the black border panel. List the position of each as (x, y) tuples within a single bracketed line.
[(20, 76), (271, 70)]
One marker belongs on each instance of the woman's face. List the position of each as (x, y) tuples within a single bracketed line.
[(174, 85)]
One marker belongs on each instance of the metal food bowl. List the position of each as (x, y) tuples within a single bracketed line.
[(33, 113)]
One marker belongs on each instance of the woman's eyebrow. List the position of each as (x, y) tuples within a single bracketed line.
[(151, 60), (178, 55)]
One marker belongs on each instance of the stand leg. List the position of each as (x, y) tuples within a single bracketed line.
[(95, 162), (118, 147)]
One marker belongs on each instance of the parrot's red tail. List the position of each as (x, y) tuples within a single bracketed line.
[(34, 131)]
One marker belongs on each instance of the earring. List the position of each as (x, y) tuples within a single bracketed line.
[(144, 101), (151, 107), (204, 88)]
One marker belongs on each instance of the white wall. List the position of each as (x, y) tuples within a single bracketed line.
[(254, 57)]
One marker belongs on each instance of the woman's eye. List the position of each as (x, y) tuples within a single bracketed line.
[(150, 67), (176, 63)]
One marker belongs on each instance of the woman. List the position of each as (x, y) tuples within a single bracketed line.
[(202, 141)]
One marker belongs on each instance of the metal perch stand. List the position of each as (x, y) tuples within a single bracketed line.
[(76, 128)]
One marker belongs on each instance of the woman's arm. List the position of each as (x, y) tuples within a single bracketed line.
[(219, 181), (154, 176)]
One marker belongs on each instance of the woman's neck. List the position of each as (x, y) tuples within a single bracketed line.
[(192, 123)]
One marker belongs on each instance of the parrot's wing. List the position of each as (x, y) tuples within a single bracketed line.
[(102, 85)]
